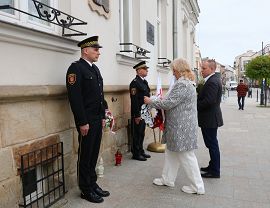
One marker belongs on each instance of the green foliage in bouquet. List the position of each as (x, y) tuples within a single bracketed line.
[(200, 86)]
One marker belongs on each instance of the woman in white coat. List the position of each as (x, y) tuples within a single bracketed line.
[(181, 128)]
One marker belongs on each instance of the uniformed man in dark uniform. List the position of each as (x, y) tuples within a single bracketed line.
[(85, 93), (138, 88)]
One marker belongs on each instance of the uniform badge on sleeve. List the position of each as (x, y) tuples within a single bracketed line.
[(71, 79), (133, 91)]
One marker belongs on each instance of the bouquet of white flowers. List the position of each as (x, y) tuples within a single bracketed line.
[(152, 117), (109, 120)]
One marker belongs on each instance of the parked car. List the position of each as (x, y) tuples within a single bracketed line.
[(231, 85)]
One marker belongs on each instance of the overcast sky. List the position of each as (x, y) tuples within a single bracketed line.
[(228, 28)]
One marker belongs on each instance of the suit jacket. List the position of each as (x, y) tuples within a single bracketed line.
[(208, 103), (181, 125), (85, 92), (138, 88)]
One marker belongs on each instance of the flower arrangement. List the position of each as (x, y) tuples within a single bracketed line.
[(109, 120), (153, 117), (158, 120)]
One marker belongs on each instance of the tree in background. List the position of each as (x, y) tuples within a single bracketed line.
[(258, 68)]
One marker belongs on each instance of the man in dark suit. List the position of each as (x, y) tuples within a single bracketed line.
[(85, 93), (138, 88), (210, 116)]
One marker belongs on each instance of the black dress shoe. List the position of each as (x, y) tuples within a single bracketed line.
[(209, 175), (101, 193), (146, 155), (205, 169), (92, 197), (139, 157)]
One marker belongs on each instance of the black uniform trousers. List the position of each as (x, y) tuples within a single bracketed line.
[(87, 156), (138, 132), (211, 142), (241, 104)]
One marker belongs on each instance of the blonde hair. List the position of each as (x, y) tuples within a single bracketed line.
[(182, 66)]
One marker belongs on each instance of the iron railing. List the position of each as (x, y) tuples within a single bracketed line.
[(42, 174), (139, 52), (53, 16), (164, 62)]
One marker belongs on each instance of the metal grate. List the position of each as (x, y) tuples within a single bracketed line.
[(140, 53), (53, 16), (164, 62), (42, 174)]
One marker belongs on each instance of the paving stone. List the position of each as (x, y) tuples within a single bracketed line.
[(245, 170)]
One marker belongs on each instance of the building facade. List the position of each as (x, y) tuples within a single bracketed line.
[(241, 61), (198, 64), (228, 74), (35, 55)]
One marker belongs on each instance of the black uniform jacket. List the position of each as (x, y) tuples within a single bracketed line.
[(138, 88), (85, 92), (208, 103)]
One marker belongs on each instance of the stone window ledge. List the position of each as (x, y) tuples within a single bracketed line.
[(164, 70), (126, 60), (17, 34)]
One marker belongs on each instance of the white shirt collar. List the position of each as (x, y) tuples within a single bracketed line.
[(88, 62), (206, 78)]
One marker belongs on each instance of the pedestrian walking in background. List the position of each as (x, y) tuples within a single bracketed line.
[(85, 93), (241, 89), (210, 116), (181, 127)]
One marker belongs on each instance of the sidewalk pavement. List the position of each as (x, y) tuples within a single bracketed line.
[(245, 170)]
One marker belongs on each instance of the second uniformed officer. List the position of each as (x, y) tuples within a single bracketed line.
[(138, 89), (85, 92)]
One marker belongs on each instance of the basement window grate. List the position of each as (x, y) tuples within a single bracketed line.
[(42, 174)]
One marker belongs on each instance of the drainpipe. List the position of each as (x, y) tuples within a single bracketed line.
[(175, 55)]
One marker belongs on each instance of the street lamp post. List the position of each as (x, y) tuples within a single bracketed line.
[(262, 84), (265, 80)]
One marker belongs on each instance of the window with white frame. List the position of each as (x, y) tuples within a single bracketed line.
[(12, 16), (244, 64), (162, 29), (125, 22), (8, 2), (32, 10), (159, 28)]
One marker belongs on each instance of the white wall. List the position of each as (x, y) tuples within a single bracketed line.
[(34, 58)]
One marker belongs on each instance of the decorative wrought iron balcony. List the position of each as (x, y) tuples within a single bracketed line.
[(164, 62), (53, 16), (139, 53)]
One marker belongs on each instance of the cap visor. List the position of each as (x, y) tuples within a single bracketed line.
[(96, 46)]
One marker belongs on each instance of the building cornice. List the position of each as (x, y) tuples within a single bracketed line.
[(20, 35), (32, 93)]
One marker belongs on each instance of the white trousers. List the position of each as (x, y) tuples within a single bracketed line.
[(189, 163)]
